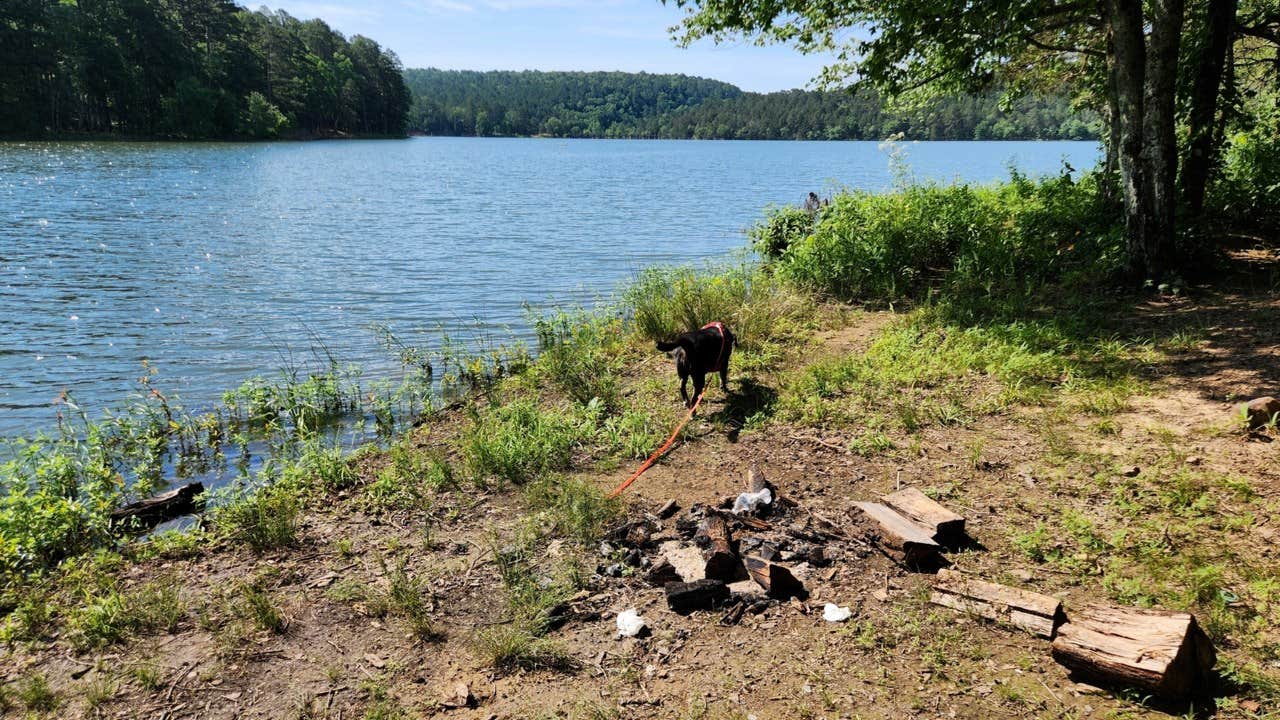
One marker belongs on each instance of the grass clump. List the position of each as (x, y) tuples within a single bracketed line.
[(266, 519), (573, 507), (411, 598), (665, 301), (34, 693), (256, 604), (580, 354), (115, 615), (518, 442)]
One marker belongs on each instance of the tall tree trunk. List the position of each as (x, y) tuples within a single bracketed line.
[(1160, 132), (1111, 165), (1124, 18), (1204, 101), (1145, 71)]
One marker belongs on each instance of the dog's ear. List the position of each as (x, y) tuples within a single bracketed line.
[(667, 346)]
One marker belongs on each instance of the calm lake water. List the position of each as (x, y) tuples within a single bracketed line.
[(220, 261)]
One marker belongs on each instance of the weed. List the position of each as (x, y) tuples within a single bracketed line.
[(574, 507), (580, 355), (266, 519), (35, 694), (518, 442), (113, 616), (258, 606)]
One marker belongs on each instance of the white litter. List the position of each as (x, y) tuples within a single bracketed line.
[(630, 623), (831, 613), (748, 502)]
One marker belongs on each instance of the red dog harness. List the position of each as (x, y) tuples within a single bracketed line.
[(719, 326)]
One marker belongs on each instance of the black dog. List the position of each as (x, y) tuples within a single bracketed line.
[(698, 353)]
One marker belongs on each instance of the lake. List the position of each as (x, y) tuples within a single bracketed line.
[(218, 261)]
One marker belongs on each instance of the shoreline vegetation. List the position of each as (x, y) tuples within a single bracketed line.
[(990, 323)]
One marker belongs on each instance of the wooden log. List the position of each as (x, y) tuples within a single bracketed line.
[(756, 480), (703, 594), (776, 579), (717, 549), (661, 573), (1161, 652), (898, 537), (158, 508), (944, 526), (1035, 613)]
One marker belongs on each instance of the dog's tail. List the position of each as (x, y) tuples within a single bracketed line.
[(682, 341)]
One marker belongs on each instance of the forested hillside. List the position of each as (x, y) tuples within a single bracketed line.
[(563, 104), (189, 69), (615, 104)]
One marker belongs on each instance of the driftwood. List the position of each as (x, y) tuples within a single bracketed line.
[(945, 526), (717, 549), (898, 537), (1035, 613), (158, 508), (702, 594), (1161, 652), (776, 580)]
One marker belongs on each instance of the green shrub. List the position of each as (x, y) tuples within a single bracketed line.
[(1248, 188), (995, 240), (781, 228), (518, 442)]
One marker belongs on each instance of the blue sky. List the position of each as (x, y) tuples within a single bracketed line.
[(553, 35)]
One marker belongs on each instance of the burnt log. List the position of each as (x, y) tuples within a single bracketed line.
[(661, 573), (775, 579), (154, 510), (704, 594), (717, 549), (1035, 613), (1161, 652)]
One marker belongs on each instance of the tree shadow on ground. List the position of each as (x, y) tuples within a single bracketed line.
[(745, 399), (1221, 338)]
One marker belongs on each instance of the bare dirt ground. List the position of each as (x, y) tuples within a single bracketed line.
[(897, 657)]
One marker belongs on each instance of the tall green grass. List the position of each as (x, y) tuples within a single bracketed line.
[(665, 301), (1005, 239)]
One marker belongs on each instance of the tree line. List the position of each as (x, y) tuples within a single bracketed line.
[(627, 105), (189, 69)]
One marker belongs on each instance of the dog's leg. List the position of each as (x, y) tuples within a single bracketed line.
[(699, 384), (684, 389), (724, 378)]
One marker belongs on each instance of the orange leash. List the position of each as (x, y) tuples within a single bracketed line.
[(659, 452)]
